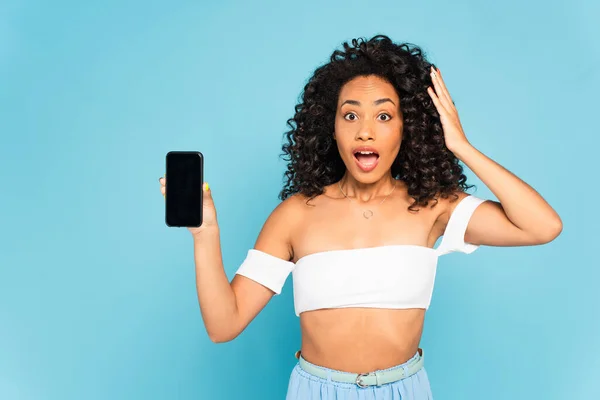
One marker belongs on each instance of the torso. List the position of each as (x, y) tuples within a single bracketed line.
[(362, 339)]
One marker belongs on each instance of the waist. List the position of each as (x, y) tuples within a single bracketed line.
[(360, 338), (363, 379)]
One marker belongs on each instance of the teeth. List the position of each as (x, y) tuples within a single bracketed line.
[(366, 152)]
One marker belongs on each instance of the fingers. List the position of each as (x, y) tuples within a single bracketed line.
[(436, 100), (438, 88), (441, 90), (163, 182), (207, 194)]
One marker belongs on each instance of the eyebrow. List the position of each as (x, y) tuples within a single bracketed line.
[(376, 102)]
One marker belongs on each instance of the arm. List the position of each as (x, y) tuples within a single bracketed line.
[(227, 308), (522, 217)]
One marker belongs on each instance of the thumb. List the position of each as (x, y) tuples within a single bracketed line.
[(206, 195)]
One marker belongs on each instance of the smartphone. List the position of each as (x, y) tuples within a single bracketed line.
[(184, 180)]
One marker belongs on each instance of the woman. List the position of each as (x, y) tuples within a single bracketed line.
[(373, 181)]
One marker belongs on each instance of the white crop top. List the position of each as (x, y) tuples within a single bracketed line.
[(389, 276)]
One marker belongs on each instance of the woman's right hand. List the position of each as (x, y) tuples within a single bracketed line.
[(209, 213)]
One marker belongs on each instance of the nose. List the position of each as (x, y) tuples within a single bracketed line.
[(366, 131)]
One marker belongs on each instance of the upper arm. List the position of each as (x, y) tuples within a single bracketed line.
[(481, 222), (266, 267)]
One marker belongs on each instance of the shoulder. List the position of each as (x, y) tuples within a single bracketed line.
[(275, 235), (289, 210)]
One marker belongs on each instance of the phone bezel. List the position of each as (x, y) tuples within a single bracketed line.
[(180, 152)]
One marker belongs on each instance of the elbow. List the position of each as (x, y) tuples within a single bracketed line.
[(222, 336), (221, 339), (552, 231), (223, 328)]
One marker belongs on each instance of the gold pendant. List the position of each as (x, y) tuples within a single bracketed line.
[(368, 214)]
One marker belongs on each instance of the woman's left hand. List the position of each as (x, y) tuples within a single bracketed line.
[(453, 132)]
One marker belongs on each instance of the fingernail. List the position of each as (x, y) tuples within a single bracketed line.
[(206, 186)]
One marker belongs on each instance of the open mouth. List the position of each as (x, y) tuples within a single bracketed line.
[(366, 159)]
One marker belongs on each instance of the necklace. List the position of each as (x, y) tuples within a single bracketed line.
[(368, 213)]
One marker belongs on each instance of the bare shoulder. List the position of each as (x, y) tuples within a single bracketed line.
[(275, 235)]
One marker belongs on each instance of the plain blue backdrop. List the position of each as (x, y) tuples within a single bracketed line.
[(97, 294)]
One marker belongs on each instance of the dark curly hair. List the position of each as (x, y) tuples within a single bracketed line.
[(424, 163)]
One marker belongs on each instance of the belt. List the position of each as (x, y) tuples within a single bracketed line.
[(375, 378)]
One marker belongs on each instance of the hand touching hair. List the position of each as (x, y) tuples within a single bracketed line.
[(424, 163)]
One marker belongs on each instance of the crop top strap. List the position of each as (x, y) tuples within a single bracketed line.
[(266, 269), (454, 235)]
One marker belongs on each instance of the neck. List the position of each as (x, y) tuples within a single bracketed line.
[(365, 192)]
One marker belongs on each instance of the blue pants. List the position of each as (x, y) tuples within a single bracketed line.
[(305, 386)]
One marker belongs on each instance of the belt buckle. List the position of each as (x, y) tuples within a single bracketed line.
[(359, 381)]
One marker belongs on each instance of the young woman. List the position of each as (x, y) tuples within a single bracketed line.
[(373, 181)]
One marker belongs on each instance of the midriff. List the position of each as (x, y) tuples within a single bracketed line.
[(360, 340)]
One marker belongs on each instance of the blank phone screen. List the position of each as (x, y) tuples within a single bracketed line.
[(184, 189)]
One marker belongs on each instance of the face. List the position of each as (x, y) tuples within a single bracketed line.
[(368, 127)]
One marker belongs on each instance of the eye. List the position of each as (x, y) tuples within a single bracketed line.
[(387, 117), (346, 117)]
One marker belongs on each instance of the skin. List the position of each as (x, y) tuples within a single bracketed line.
[(365, 339), (379, 338)]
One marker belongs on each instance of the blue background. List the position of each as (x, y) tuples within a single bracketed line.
[(97, 294)]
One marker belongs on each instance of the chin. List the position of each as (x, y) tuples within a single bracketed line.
[(366, 177)]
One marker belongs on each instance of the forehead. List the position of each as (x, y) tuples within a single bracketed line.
[(367, 87)]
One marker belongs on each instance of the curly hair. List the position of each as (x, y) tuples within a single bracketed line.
[(424, 163)]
